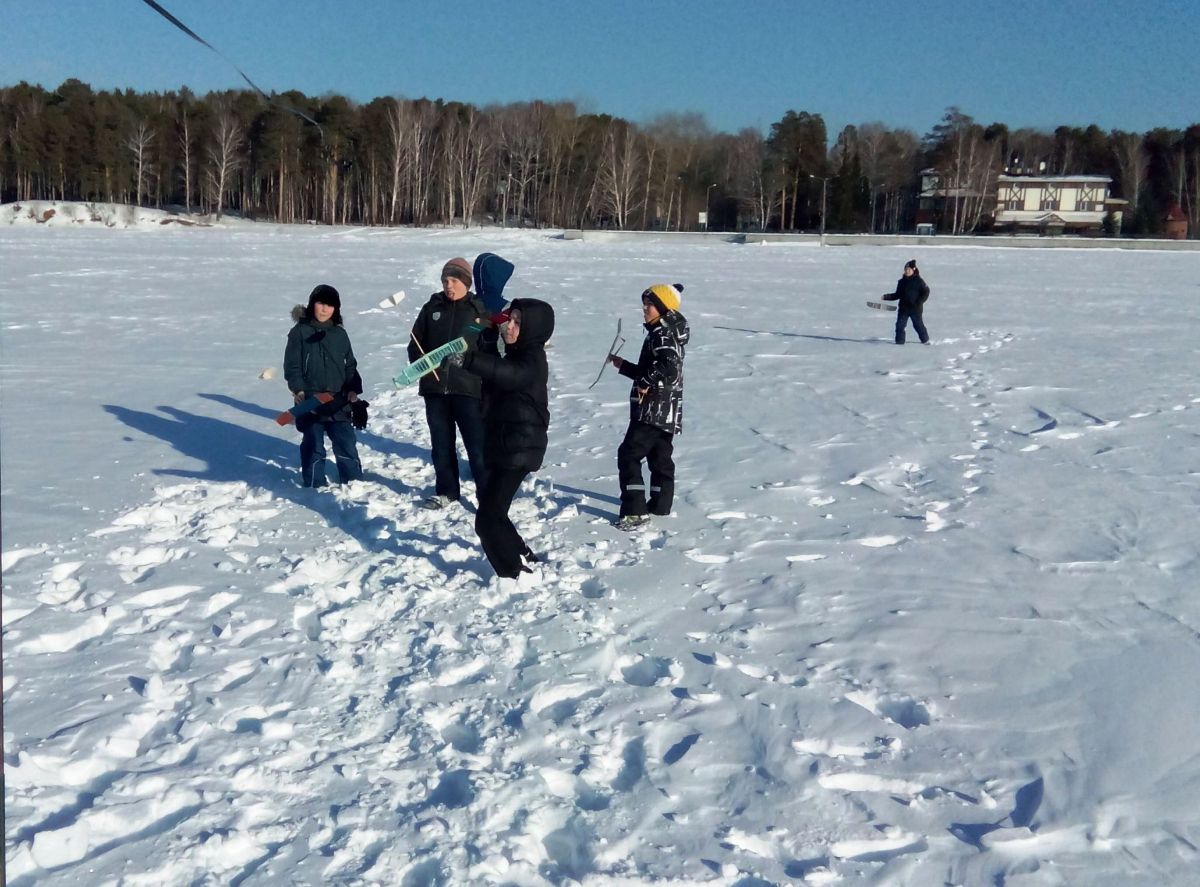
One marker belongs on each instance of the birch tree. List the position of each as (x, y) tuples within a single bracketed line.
[(619, 174), (1132, 161), (224, 158), (139, 143)]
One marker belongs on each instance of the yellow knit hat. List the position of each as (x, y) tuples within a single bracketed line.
[(665, 296)]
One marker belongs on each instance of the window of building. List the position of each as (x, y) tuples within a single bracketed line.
[(1052, 198), (1089, 200)]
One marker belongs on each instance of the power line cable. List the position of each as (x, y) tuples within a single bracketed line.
[(181, 26)]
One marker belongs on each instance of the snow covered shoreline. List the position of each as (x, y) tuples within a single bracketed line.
[(924, 615)]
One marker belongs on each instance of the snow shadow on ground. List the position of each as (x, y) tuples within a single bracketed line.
[(737, 329), (584, 495), (230, 452), (382, 445), (233, 454)]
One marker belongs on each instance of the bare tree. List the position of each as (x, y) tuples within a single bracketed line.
[(564, 133), (748, 173), (966, 167), (619, 173), (1133, 162), (469, 137), (139, 143), (404, 131), (899, 161), (224, 157), (521, 138), (872, 140)]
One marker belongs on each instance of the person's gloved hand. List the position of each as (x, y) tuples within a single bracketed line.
[(358, 414), (299, 397), (453, 360)]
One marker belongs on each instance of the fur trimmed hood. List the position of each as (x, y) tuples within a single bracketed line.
[(300, 315)]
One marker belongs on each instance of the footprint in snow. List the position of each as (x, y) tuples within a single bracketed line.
[(646, 671), (901, 710), (560, 702)]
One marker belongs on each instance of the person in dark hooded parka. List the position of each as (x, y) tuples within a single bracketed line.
[(912, 292), (516, 416), (318, 358)]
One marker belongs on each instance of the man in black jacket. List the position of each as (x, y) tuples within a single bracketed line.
[(451, 395), (911, 292), (516, 416)]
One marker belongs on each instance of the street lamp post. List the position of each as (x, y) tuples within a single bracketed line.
[(824, 184), (708, 205)]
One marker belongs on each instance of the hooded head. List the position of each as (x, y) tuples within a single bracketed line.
[(326, 295), (537, 322), (912, 263), (459, 269), (491, 273), (664, 296)]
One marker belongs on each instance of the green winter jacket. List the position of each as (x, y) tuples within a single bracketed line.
[(318, 357)]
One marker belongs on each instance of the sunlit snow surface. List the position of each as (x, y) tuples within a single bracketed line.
[(923, 616)]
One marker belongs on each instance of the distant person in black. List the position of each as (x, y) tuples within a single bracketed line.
[(911, 292)]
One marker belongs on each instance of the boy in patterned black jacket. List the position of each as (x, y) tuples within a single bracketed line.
[(655, 408)]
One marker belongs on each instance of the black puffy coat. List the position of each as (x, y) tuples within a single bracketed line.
[(516, 408), (659, 370), (440, 321), (911, 293)]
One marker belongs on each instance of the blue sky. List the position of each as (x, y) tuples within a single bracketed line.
[(1119, 65)]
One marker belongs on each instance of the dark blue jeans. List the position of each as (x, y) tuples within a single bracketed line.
[(444, 413), (902, 319), (345, 451)]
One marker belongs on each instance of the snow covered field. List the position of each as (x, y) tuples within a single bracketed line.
[(923, 616)]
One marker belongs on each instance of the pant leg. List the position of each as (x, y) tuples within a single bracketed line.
[(901, 323), (918, 322), (468, 416), (312, 456), (439, 413), (501, 542), (639, 440), (345, 450), (662, 474)]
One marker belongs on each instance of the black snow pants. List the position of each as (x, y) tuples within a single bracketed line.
[(656, 446), (903, 315), (501, 542)]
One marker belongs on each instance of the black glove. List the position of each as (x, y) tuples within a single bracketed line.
[(453, 360), (358, 414)]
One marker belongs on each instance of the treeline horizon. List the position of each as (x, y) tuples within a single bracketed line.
[(399, 161)]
